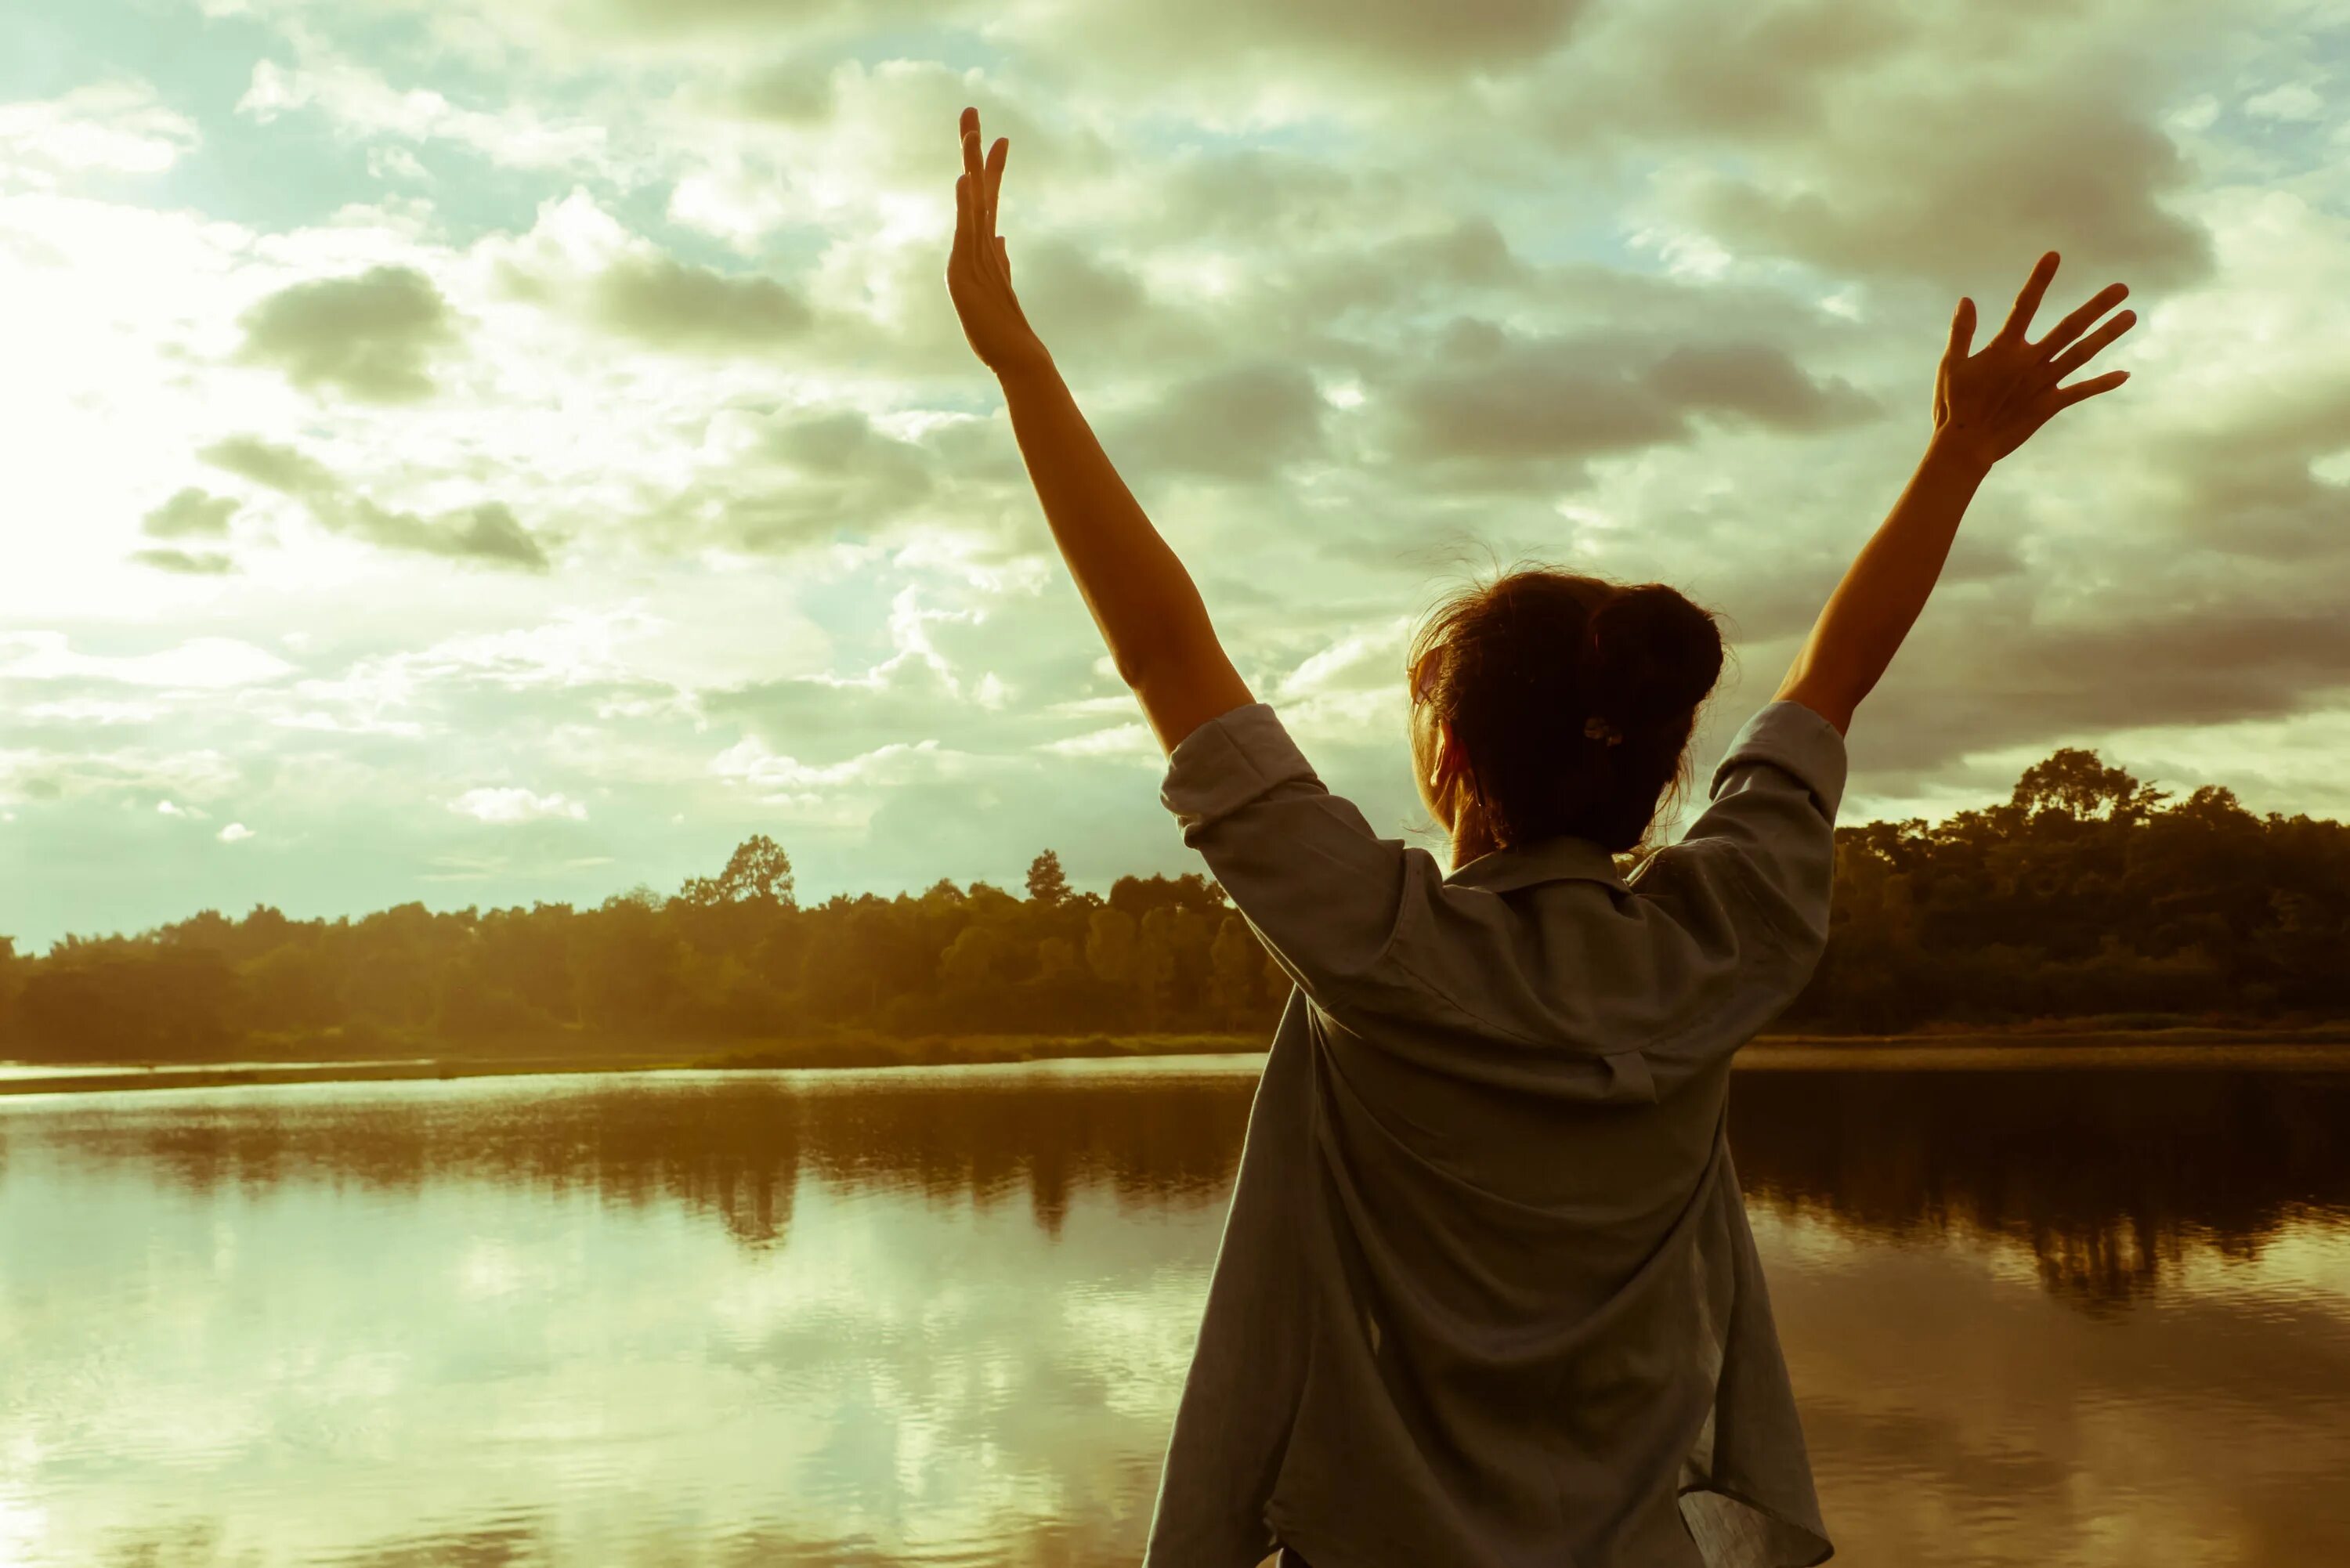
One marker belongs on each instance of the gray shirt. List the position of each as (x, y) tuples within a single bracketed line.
[(1486, 1293)]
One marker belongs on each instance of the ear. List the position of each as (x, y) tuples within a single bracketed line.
[(1447, 762)]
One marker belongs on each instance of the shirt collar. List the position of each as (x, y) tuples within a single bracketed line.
[(1545, 860)]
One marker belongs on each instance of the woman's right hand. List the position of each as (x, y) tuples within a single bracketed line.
[(1988, 403), (978, 272)]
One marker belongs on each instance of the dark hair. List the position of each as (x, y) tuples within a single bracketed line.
[(1537, 671)]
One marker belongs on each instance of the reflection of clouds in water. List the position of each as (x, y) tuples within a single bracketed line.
[(944, 1317), (382, 1336)]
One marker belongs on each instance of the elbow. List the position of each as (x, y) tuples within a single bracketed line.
[(1829, 699), (1153, 663), (1136, 667)]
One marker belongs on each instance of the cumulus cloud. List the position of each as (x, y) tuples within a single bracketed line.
[(795, 479), (508, 805), (487, 531), (186, 562), (1995, 680), (1368, 42), (1880, 199), (235, 833), (203, 663), (694, 309), (798, 91), (841, 795), (1242, 423), (1492, 399), (119, 126), (372, 336), (192, 513), (1893, 141), (360, 102)]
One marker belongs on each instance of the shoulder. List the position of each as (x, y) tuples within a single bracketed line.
[(1233, 759), (1786, 745)]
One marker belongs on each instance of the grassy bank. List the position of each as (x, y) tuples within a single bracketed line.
[(2086, 1043)]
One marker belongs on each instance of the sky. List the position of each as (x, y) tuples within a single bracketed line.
[(486, 451)]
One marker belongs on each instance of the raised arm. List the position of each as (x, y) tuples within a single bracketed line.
[(1145, 603), (1986, 405)]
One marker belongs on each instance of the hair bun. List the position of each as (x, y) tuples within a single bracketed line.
[(1652, 656)]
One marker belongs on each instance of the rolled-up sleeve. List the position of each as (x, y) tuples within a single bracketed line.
[(1771, 817), (1323, 891)]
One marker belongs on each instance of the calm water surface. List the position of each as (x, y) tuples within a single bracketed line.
[(941, 1316)]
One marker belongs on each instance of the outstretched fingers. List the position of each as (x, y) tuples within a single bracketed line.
[(2089, 347), (970, 161), (2027, 299), (995, 157), (1963, 329), (975, 198), (2067, 396), (2072, 325)]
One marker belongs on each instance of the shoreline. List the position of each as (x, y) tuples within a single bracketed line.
[(2324, 1049)]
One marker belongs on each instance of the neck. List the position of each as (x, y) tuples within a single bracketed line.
[(1471, 837)]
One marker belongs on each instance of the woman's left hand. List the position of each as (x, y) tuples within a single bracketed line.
[(979, 273)]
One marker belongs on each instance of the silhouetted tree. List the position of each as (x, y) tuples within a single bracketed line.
[(1046, 885), (757, 870)]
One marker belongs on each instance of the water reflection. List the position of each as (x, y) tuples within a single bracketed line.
[(729, 1145), (941, 1318), (2116, 1181)]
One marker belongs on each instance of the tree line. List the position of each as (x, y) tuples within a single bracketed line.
[(2086, 894)]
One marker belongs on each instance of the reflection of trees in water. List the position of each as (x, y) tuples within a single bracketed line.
[(2112, 1179), (733, 1150), (525, 1536)]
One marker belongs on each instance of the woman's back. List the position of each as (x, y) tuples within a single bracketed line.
[(1487, 1289), (1424, 1345)]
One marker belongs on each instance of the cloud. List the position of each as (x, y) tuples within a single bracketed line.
[(204, 663), (1118, 741), (1878, 199), (372, 335), (235, 833), (2293, 100), (116, 127), (186, 562), (362, 103), (1896, 141), (2243, 474), (1755, 381), (509, 805), (1242, 423), (843, 795), (665, 303), (278, 468), (52, 776), (795, 91), (794, 478), (192, 513), (1392, 42), (487, 532), (1497, 399)]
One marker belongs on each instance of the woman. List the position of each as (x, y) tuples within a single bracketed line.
[(1486, 1293)]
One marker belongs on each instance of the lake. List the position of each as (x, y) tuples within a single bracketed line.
[(941, 1316)]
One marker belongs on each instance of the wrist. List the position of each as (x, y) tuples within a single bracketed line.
[(1031, 363), (1957, 457)]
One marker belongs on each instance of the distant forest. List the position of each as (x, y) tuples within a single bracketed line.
[(2087, 895)]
